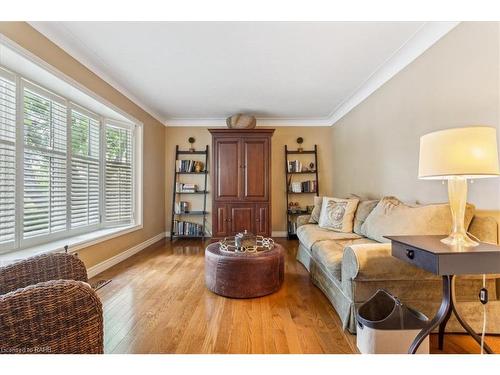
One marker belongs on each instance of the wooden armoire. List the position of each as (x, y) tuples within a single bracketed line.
[(241, 181)]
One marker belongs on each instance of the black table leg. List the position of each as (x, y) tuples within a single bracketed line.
[(463, 323), (443, 312), (442, 327), (443, 315)]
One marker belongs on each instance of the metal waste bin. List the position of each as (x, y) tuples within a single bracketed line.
[(387, 326)]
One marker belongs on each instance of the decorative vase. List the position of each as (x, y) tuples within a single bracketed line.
[(241, 121), (245, 240)]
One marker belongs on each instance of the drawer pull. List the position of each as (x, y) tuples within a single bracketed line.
[(410, 253)]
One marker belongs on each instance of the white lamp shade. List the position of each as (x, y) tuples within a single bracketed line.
[(469, 152)]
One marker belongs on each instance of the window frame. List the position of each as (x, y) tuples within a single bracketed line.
[(22, 244), (20, 143), (79, 109), (119, 124), (9, 76)]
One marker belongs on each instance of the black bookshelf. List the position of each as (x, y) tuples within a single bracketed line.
[(177, 176), (291, 215)]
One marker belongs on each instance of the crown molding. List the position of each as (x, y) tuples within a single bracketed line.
[(417, 44), (50, 31), (261, 121), (420, 42)]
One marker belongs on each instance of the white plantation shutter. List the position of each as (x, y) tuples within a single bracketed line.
[(7, 160), (118, 175), (64, 171), (85, 192), (44, 203)]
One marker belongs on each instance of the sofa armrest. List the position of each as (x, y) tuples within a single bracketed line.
[(302, 220), (375, 262), (63, 316), (46, 267)]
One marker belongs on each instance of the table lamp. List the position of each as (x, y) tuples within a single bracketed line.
[(456, 155)]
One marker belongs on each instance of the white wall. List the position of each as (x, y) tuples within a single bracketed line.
[(454, 83)]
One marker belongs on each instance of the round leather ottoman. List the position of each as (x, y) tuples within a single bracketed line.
[(244, 276)]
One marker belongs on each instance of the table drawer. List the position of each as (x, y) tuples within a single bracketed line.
[(415, 256)]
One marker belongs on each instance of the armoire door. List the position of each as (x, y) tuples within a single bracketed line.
[(241, 218), (227, 169), (255, 157), (221, 220), (262, 219)]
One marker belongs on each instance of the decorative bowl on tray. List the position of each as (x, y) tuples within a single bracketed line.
[(246, 244)]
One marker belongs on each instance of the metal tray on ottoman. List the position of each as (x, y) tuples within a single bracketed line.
[(244, 275)]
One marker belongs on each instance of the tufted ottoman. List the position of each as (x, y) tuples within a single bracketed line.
[(244, 276)]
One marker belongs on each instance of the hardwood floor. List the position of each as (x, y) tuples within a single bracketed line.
[(157, 303)]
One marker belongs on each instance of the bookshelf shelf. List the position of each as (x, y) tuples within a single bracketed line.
[(291, 215), (305, 212), (196, 213), (192, 192), (177, 224), (184, 236), (191, 152), (201, 173), (295, 152)]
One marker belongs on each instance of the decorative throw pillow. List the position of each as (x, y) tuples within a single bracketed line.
[(316, 210), (364, 209), (338, 214), (393, 217)]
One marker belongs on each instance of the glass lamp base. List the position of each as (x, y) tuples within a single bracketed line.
[(459, 240), (457, 193)]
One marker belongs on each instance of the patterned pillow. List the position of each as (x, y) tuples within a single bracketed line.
[(338, 214), (318, 201)]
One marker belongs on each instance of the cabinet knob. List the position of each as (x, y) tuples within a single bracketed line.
[(410, 253)]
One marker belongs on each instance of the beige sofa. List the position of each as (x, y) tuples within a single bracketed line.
[(349, 268)]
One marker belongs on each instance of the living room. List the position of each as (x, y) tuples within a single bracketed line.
[(250, 187)]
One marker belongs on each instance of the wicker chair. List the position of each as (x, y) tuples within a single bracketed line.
[(46, 306)]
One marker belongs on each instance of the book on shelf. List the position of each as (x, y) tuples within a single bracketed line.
[(296, 187), (309, 186), (189, 166), (292, 227), (185, 187), (294, 166), (181, 207), (186, 228), (303, 187)]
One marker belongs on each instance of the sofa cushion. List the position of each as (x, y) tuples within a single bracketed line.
[(309, 234), (318, 201), (393, 217), (485, 229), (329, 254), (364, 209), (338, 214)]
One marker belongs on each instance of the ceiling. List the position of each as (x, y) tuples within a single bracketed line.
[(294, 73)]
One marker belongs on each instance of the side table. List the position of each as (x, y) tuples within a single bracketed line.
[(430, 254)]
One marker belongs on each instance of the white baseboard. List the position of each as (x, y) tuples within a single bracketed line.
[(108, 263), (279, 233)]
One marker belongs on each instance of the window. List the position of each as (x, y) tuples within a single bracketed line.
[(7, 160), (85, 170), (118, 175), (44, 165), (64, 171)]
